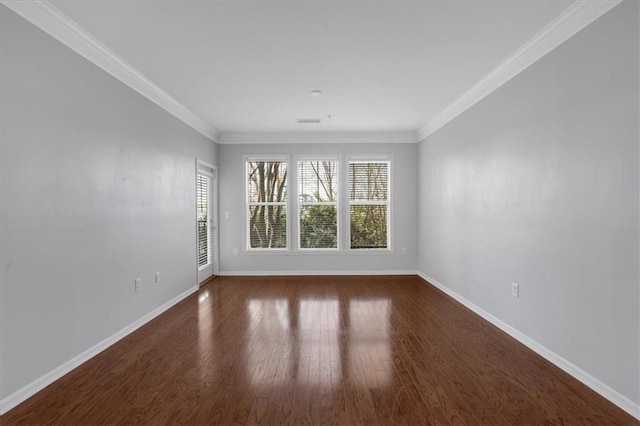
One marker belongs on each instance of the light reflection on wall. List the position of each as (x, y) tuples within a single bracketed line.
[(318, 332), (269, 342), (370, 360)]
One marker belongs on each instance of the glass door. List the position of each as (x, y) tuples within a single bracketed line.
[(205, 221)]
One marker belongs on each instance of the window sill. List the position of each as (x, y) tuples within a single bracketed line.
[(307, 252)]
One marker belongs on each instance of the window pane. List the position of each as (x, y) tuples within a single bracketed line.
[(368, 181), (267, 181), (317, 181), (268, 226), (202, 204), (368, 226), (318, 226)]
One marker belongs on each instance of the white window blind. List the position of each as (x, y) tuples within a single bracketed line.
[(267, 204), (318, 204), (369, 204), (203, 186)]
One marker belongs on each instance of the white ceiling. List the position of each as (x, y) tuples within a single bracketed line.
[(248, 66)]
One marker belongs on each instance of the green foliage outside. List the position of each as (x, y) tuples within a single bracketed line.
[(268, 226), (368, 227), (368, 182), (318, 227), (318, 222), (203, 243)]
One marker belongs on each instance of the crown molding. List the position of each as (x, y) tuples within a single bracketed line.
[(316, 137), (573, 19), (48, 18)]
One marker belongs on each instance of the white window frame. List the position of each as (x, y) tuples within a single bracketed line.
[(343, 205), (287, 203), (338, 204), (389, 203)]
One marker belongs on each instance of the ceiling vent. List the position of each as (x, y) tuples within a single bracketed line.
[(308, 120)]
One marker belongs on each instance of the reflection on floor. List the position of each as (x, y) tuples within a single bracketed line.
[(307, 343), (307, 350)]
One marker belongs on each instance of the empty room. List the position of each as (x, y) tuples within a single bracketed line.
[(320, 212)]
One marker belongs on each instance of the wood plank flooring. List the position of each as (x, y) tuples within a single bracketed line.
[(317, 350)]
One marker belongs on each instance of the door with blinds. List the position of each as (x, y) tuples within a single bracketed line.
[(206, 220)]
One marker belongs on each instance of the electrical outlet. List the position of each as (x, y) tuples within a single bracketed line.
[(158, 277), (515, 290), (138, 285), (235, 251), (226, 215), (404, 250)]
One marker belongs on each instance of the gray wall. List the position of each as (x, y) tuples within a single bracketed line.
[(404, 212), (98, 188), (538, 184)]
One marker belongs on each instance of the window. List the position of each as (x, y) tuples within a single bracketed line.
[(267, 204), (337, 205), (318, 204), (203, 184), (369, 204)]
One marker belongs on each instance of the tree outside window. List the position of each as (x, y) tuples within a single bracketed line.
[(369, 204), (267, 193), (318, 204)]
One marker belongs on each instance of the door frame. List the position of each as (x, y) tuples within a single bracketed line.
[(203, 167)]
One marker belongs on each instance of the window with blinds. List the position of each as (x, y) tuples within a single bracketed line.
[(369, 204), (203, 186), (267, 204), (318, 204)]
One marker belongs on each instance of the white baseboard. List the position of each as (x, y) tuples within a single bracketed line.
[(37, 385), (618, 399), (288, 273)]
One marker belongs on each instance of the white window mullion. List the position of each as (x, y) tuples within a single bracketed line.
[(344, 200), (318, 204), (368, 203), (294, 213), (266, 204)]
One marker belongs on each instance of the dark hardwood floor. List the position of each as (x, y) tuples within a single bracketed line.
[(317, 350)]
